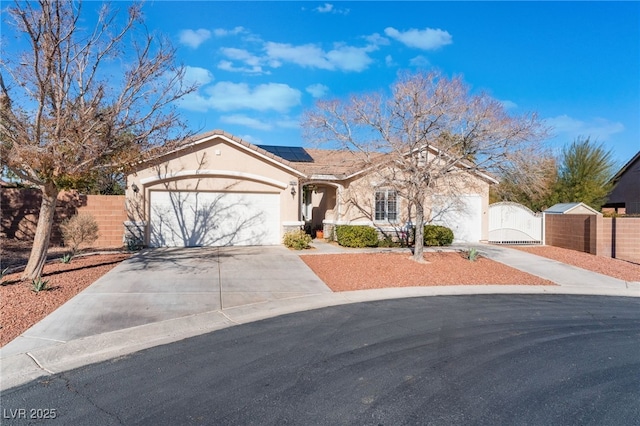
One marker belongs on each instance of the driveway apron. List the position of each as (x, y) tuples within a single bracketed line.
[(164, 284)]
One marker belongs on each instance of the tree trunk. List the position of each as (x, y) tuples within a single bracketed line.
[(38, 255), (418, 244)]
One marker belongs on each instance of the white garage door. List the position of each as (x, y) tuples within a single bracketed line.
[(188, 219), (462, 214)]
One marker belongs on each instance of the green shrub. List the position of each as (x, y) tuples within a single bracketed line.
[(66, 258), (436, 235), (356, 236), (388, 241), (298, 240)]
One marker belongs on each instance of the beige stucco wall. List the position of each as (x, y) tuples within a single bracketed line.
[(580, 210), (357, 203), (217, 164)]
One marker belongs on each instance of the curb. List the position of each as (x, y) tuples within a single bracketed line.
[(18, 369)]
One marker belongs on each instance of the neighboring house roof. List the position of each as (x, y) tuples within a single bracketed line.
[(624, 168), (568, 208)]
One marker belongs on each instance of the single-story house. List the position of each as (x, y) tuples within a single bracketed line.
[(217, 189), (625, 195)]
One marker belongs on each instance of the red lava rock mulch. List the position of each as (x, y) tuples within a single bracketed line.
[(345, 272), (616, 268), (20, 307)]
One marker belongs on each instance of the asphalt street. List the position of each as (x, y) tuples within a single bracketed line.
[(482, 359)]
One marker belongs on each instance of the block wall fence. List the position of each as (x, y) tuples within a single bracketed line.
[(20, 209), (616, 237)]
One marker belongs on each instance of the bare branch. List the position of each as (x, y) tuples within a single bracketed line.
[(433, 132)]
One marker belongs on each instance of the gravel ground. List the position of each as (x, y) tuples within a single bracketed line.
[(344, 272), (620, 269), (20, 307)]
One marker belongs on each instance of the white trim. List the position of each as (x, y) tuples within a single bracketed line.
[(230, 173), (293, 223)]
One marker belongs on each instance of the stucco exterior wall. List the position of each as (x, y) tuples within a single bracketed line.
[(358, 205), (216, 165)]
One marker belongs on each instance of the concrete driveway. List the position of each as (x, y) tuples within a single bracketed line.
[(165, 284)]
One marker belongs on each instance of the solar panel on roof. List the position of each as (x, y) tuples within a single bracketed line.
[(289, 153)]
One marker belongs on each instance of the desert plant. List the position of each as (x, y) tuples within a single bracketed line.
[(39, 285), (356, 236), (3, 273), (79, 229), (298, 240), (436, 235), (471, 254), (66, 258)]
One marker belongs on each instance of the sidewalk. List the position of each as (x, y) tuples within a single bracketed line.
[(22, 365)]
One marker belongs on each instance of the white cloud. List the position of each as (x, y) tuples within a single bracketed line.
[(388, 60), (228, 66), (507, 104), (243, 120), (345, 58), (377, 39), (252, 139), (228, 96), (348, 58), (596, 128), (194, 102), (326, 8), (317, 90), (197, 75), (427, 39), (419, 61), (221, 32), (288, 123), (307, 55), (329, 8), (254, 62), (193, 38)]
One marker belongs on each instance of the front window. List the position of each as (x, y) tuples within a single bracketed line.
[(386, 205)]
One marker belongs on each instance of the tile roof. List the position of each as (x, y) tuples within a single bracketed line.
[(326, 164), (338, 163)]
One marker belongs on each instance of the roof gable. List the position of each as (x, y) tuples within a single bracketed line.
[(626, 168), (243, 145), (568, 208)]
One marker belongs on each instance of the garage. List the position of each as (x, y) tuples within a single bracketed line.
[(201, 218), (463, 214)]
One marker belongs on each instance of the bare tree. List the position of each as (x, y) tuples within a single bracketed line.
[(433, 132), (78, 102), (530, 180)]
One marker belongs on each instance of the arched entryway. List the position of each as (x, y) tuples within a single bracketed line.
[(319, 203)]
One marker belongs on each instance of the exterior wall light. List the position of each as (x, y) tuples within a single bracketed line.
[(135, 188)]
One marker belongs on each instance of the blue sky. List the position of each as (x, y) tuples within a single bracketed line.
[(261, 64)]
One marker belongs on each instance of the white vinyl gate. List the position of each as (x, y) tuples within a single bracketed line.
[(513, 223)]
